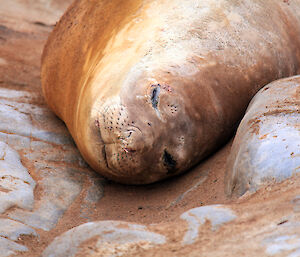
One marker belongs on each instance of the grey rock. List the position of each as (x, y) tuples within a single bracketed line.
[(18, 142), (16, 185), (114, 238), (14, 94), (94, 193), (45, 217), (296, 203), (21, 119), (266, 148), (282, 244), (295, 253), (3, 137), (15, 141), (53, 137), (13, 121), (13, 230), (47, 153), (60, 188), (216, 214), (8, 248), (283, 239)]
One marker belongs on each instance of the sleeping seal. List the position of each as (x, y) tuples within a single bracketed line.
[(148, 88)]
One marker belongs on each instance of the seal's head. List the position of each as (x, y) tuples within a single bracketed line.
[(144, 133)]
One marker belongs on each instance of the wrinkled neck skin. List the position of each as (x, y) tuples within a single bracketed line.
[(174, 80)]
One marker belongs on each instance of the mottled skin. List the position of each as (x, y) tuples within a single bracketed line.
[(149, 88)]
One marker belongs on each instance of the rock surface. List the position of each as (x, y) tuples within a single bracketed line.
[(266, 148), (216, 215), (9, 248), (112, 238), (16, 185), (13, 230)]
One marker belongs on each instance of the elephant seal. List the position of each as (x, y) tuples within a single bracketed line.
[(266, 147), (149, 88)]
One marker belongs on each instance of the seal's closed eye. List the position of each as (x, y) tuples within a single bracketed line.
[(154, 96)]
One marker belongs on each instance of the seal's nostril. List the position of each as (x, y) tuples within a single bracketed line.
[(169, 162)]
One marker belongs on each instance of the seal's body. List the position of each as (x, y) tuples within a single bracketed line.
[(149, 88)]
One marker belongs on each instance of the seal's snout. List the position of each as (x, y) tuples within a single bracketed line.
[(117, 129), (123, 139)]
